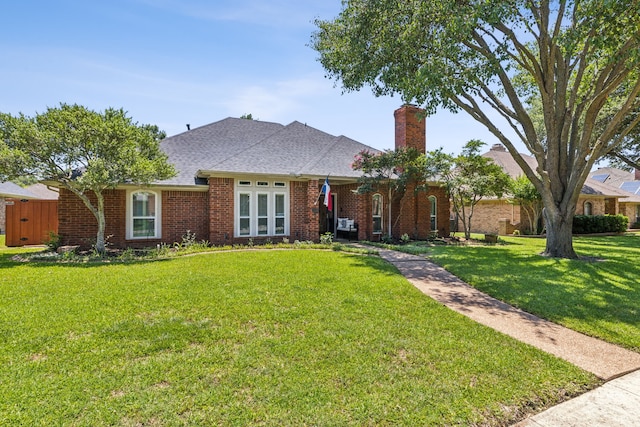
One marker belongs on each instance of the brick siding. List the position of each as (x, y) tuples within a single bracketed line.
[(78, 226), (410, 129)]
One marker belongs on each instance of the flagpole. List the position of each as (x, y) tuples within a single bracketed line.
[(320, 194)]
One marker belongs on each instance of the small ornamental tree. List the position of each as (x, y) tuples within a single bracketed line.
[(391, 171), (84, 151), (468, 178), (523, 193)]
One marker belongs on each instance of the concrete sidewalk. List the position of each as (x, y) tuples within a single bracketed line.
[(616, 403)]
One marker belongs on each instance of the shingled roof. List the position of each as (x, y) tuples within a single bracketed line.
[(240, 146), (9, 189), (500, 156)]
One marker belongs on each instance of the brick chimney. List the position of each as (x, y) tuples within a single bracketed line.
[(410, 128)]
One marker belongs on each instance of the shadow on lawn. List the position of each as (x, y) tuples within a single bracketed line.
[(604, 295)]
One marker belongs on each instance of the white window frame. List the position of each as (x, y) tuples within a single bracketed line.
[(254, 192), (380, 215), (590, 209), (157, 218), (433, 213), (239, 194)]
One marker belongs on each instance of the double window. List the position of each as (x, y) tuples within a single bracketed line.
[(261, 209), (143, 215)]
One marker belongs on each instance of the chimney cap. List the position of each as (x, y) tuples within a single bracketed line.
[(498, 147)]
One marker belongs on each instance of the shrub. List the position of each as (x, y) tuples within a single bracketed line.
[(54, 241), (587, 224), (326, 238)]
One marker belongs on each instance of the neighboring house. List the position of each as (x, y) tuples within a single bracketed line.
[(499, 216), (241, 179), (629, 183)]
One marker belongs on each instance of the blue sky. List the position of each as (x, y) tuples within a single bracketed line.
[(173, 62)]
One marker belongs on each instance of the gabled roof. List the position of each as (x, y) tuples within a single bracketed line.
[(240, 146), (499, 154), (9, 189)]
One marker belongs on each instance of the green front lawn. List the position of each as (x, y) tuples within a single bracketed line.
[(280, 337), (599, 295)]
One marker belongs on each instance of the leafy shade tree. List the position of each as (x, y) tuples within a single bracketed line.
[(522, 192), (84, 151), (392, 171), (468, 178), (627, 155), (488, 58)]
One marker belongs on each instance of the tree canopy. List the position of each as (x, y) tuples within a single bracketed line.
[(468, 178), (391, 171), (580, 58), (83, 151)]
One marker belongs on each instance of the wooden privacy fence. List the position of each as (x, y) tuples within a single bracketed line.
[(30, 221)]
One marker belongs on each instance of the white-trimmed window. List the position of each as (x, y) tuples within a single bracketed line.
[(262, 209), (433, 215), (244, 214), (143, 214), (376, 210)]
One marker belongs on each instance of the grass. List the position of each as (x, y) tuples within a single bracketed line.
[(255, 338), (598, 295)]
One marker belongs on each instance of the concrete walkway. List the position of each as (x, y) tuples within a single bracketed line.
[(616, 403)]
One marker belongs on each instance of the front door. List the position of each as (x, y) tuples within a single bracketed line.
[(327, 218)]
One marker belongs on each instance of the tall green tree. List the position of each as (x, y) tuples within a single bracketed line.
[(468, 178), (84, 151), (488, 58), (390, 171)]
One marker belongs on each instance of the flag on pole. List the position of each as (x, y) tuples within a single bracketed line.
[(326, 190)]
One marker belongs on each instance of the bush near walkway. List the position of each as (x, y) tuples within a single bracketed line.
[(255, 338)]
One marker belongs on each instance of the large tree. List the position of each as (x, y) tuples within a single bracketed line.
[(489, 58), (84, 151)]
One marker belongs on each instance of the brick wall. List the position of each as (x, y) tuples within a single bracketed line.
[(414, 208), (597, 205), (415, 213), (630, 211), (184, 211), (78, 226), (410, 129), (221, 216), (310, 212), (487, 213)]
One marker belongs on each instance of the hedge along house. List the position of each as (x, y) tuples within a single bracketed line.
[(241, 179)]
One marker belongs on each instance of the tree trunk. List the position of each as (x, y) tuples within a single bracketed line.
[(559, 235), (100, 240)]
